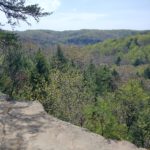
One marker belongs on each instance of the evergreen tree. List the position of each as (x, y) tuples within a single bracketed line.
[(147, 72), (15, 69), (104, 80), (42, 66), (39, 77), (59, 61), (141, 129), (118, 61), (16, 10)]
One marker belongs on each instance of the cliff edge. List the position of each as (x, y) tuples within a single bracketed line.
[(26, 126)]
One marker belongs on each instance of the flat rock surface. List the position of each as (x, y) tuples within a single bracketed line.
[(26, 126)]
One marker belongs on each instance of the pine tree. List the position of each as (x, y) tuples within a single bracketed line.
[(17, 10)]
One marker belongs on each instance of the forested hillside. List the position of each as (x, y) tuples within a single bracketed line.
[(103, 87), (130, 50), (47, 38), (130, 55)]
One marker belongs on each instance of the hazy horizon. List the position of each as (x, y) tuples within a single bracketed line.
[(76, 30)]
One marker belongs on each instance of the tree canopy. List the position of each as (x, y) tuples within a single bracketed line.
[(17, 10)]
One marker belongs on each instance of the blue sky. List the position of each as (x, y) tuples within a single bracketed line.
[(92, 14)]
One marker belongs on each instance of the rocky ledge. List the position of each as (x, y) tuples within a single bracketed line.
[(26, 126)]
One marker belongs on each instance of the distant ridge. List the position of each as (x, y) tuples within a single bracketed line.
[(47, 38)]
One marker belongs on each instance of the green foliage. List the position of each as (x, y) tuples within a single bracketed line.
[(131, 98), (100, 79), (132, 102), (147, 72), (141, 129), (90, 78), (69, 94), (60, 55), (41, 64), (7, 39), (129, 50), (118, 61), (100, 119), (138, 62), (48, 38), (39, 77), (104, 80), (93, 96), (15, 68), (59, 61)]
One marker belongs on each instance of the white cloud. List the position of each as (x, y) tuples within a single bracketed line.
[(81, 16), (75, 20), (54, 4), (48, 5), (69, 21)]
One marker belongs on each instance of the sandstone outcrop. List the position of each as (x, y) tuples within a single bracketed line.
[(26, 126)]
